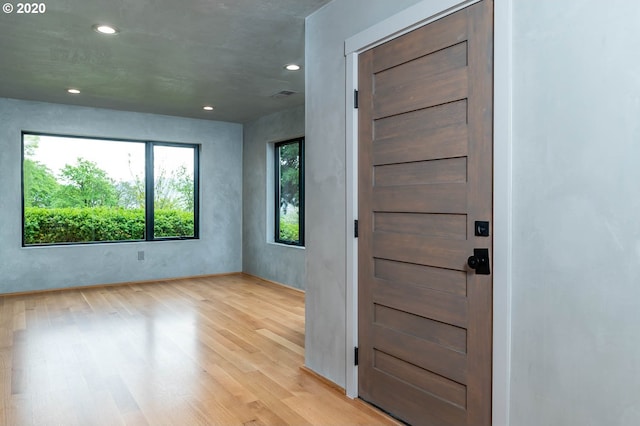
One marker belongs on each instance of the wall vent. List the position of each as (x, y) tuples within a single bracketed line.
[(283, 94)]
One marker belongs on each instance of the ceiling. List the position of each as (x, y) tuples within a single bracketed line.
[(170, 57)]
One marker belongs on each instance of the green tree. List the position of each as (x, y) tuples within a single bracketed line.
[(164, 193), (289, 175), (86, 185), (40, 185), (183, 185), (173, 189), (129, 196), (31, 143)]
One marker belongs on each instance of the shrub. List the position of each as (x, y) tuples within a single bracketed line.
[(70, 225), (173, 223), (289, 231)]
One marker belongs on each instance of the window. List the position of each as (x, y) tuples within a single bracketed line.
[(81, 190), (289, 192)]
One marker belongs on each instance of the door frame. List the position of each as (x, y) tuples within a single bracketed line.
[(405, 21)]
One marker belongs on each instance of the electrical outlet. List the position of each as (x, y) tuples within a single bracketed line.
[(141, 255)]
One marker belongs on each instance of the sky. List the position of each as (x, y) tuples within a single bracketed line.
[(121, 160)]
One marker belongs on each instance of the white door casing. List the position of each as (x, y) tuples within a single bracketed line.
[(411, 18)]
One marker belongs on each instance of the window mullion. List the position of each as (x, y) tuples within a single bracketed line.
[(149, 192), (196, 192), (277, 192), (301, 191)]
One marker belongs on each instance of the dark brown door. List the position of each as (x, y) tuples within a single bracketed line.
[(425, 165)]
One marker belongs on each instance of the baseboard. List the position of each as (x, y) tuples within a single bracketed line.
[(333, 385), (357, 401), (119, 284), (287, 287)]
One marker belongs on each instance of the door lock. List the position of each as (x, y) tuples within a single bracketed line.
[(481, 229), (480, 261)]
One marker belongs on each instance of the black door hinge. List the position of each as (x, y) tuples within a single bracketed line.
[(355, 99), (355, 228), (355, 356)]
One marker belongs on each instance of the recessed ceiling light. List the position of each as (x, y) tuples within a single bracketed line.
[(105, 29), (207, 108), (292, 67), (73, 91)]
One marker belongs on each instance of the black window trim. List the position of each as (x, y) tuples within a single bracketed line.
[(301, 219), (149, 188)]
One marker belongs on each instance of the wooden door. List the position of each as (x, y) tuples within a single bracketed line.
[(425, 178)]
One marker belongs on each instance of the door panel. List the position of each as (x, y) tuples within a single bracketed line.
[(444, 280), (425, 165), (421, 172), (445, 87), (437, 305), (441, 34), (435, 198), (401, 138), (430, 225), (434, 384)]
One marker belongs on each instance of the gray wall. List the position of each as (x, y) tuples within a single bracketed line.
[(576, 239), (276, 262), (217, 251), (326, 32)]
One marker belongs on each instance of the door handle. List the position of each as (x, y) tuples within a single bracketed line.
[(480, 261)]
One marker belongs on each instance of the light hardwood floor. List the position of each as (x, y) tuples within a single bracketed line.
[(216, 350)]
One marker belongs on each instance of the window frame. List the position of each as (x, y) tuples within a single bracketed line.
[(301, 207), (149, 179)]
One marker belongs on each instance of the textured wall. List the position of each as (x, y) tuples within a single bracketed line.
[(576, 194), (218, 250), (276, 262), (326, 32)]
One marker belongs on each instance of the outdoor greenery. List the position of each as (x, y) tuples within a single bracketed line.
[(289, 156), (289, 229), (73, 224), (82, 203), (70, 225)]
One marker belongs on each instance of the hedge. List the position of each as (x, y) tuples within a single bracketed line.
[(70, 225), (289, 231)]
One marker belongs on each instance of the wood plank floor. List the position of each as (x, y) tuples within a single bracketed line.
[(201, 351)]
